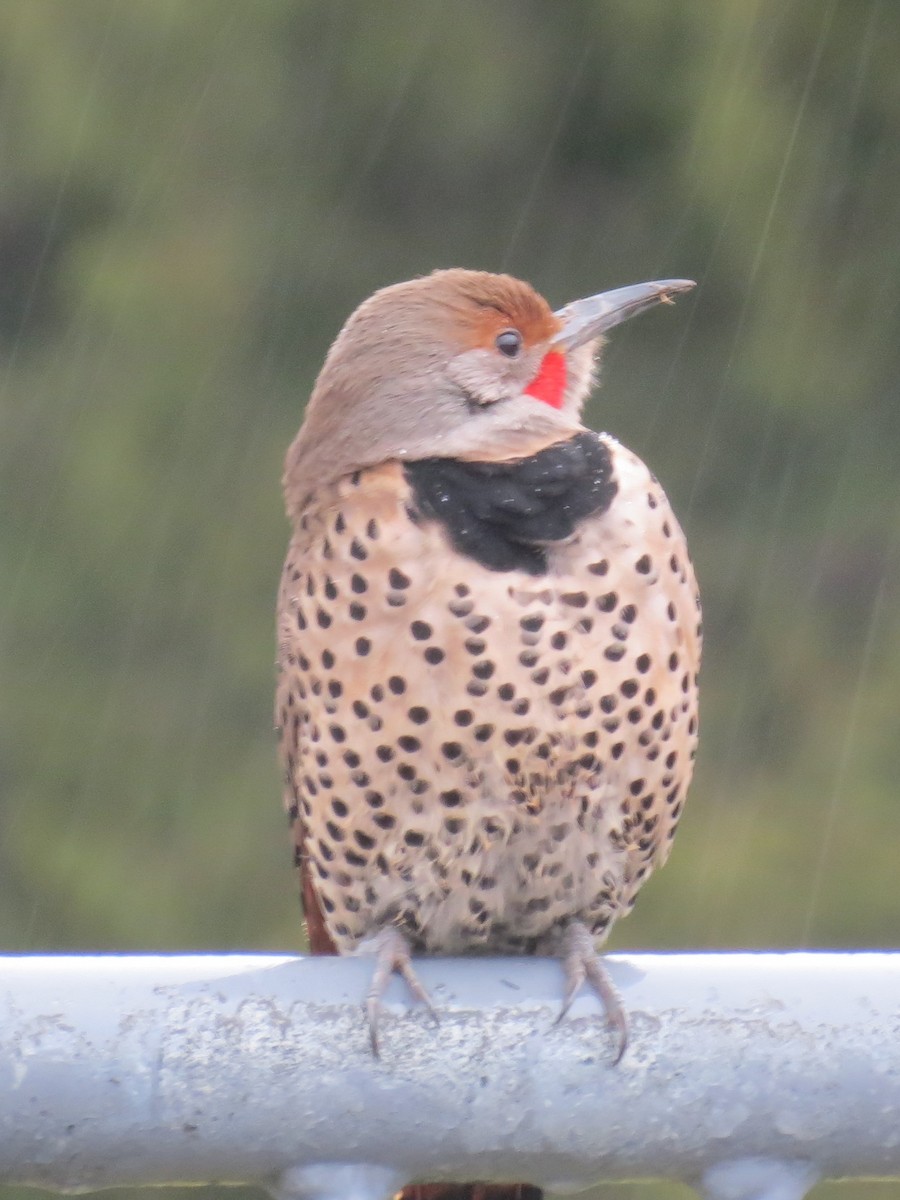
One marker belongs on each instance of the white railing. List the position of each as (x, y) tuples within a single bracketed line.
[(748, 1075)]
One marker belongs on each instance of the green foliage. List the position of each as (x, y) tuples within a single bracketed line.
[(195, 193)]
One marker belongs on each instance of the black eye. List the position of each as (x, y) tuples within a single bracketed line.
[(509, 342)]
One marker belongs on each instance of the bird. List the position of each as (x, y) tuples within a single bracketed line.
[(489, 638)]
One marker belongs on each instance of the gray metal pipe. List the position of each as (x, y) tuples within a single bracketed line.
[(750, 1075)]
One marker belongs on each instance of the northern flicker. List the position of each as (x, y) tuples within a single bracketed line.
[(489, 637)]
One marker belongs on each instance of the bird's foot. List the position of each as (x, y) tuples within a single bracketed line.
[(582, 964), (392, 956)]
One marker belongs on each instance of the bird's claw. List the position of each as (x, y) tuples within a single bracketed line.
[(392, 956), (581, 964)]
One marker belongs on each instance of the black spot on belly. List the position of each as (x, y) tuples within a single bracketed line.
[(504, 515)]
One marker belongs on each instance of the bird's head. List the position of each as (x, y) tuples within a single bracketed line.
[(457, 364)]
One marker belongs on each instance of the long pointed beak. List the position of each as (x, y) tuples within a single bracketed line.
[(583, 320)]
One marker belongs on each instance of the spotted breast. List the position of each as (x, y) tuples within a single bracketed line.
[(478, 753)]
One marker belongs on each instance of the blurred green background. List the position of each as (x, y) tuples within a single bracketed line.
[(193, 196)]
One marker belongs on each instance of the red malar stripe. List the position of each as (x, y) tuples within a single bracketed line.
[(549, 384)]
